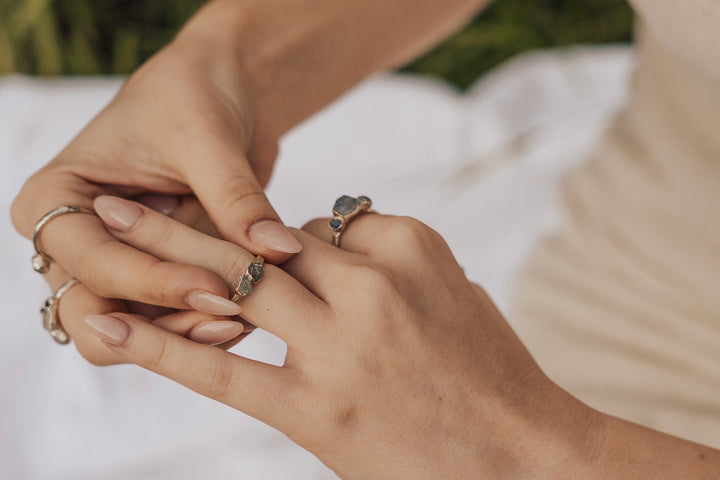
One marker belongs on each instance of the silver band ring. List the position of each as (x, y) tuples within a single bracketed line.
[(41, 261), (50, 315), (253, 274), (345, 209)]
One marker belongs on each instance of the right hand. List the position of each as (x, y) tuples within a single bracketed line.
[(180, 125)]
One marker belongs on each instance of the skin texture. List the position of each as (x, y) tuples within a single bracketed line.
[(203, 118), (395, 368), (407, 372)]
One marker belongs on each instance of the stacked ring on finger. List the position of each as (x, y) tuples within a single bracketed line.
[(50, 315), (345, 209), (41, 261), (253, 274)]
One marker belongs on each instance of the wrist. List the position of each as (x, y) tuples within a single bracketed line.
[(226, 39), (561, 436)]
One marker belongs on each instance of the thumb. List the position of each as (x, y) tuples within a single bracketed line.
[(236, 203)]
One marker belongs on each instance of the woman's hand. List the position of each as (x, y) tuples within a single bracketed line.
[(181, 124), (397, 366), (210, 327)]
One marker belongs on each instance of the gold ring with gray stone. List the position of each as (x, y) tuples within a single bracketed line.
[(41, 261), (253, 274), (345, 209), (50, 315)]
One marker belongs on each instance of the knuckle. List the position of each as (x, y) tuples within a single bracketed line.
[(410, 233), (239, 191), (162, 235), (372, 279), (220, 380), (234, 266), (156, 356), (157, 287)]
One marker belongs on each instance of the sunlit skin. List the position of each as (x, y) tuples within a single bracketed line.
[(408, 371)]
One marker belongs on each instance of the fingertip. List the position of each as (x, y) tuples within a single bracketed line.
[(214, 333), (210, 303), (273, 235), (112, 330)]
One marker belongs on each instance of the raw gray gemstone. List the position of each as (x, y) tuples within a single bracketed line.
[(245, 286), (345, 205), (365, 199), (255, 270), (335, 223)]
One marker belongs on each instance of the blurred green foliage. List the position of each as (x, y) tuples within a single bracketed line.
[(86, 37)]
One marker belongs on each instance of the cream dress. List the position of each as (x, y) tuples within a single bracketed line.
[(622, 306)]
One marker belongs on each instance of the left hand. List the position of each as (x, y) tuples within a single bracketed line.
[(397, 366)]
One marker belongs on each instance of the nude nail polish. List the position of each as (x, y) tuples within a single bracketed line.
[(213, 333), (274, 236), (110, 329), (165, 204), (212, 304), (117, 213)]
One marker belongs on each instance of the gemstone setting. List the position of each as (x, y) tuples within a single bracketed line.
[(245, 286), (255, 270), (345, 205)]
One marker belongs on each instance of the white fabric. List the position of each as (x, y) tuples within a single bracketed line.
[(480, 168)]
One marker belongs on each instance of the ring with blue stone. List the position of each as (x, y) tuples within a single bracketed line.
[(253, 274), (345, 209)]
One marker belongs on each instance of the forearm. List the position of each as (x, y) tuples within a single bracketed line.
[(571, 440), (627, 450), (297, 56)]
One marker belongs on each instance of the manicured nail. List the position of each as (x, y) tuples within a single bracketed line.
[(165, 204), (117, 213), (212, 304), (274, 236), (213, 333), (109, 329)]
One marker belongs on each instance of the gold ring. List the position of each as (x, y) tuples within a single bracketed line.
[(345, 209), (41, 261), (50, 315), (253, 274)]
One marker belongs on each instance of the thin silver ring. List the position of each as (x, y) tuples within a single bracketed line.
[(51, 316), (253, 274), (41, 261)]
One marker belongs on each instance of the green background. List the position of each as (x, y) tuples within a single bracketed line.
[(90, 37)]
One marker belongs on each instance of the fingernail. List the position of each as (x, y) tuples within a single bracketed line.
[(212, 304), (117, 213), (165, 204), (274, 236), (213, 333), (109, 329)]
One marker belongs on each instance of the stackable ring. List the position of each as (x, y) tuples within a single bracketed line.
[(253, 274), (41, 261), (345, 209), (50, 315)]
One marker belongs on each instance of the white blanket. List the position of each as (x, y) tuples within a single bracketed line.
[(480, 168)]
